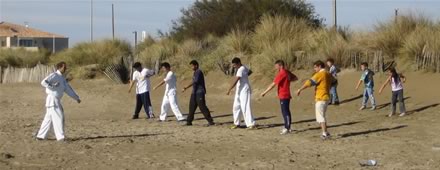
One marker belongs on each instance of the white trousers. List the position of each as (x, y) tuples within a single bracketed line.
[(242, 105), (320, 111), (54, 116), (170, 100)]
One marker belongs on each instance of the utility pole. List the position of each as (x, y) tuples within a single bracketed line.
[(113, 21), (1, 9), (396, 14), (335, 18), (134, 53), (91, 20), (135, 39)]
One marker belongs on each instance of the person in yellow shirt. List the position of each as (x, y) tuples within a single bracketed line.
[(322, 81)]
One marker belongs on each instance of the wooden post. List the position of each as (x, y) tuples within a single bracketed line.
[(1, 75)]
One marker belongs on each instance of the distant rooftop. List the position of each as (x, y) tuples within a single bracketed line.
[(10, 30)]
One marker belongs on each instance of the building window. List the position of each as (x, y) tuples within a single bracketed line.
[(3, 44), (26, 43)]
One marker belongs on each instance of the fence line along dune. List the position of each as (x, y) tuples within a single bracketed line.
[(25, 75)]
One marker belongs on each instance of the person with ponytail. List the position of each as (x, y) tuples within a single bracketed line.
[(396, 81)]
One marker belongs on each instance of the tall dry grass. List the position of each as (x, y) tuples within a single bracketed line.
[(22, 57), (102, 53)]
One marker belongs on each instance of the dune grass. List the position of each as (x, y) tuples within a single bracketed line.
[(411, 40)]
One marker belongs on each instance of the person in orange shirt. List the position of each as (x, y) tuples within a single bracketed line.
[(322, 80)]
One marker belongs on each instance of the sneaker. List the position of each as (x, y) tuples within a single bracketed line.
[(135, 117), (402, 114), (362, 108), (151, 116), (285, 131), (391, 114), (161, 121), (325, 136), (253, 127), (234, 127), (187, 124), (181, 119), (373, 108), (336, 103), (63, 141), (38, 139)]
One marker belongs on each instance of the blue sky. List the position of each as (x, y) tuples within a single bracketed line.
[(72, 17)]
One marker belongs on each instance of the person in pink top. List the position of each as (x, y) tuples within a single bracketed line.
[(395, 80)]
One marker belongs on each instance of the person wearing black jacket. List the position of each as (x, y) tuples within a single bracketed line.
[(198, 95)]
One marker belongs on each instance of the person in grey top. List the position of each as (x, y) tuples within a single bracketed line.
[(56, 85), (334, 99)]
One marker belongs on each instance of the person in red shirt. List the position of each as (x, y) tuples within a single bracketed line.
[(282, 81)]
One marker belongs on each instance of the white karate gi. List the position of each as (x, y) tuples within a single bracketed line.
[(242, 100), (56, 85), (170, 98)]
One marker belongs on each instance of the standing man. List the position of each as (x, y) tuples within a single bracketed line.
[(141, 76), (56, 85), (282, 81), (322, 80), (242, 100), (334, 99), (170, 97), (367, 78), (197, 95)]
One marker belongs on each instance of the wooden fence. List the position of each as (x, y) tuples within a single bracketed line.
[(428, 61), (25, 75)]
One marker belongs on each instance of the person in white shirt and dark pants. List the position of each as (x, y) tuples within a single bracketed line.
[(170, 96), (56, 85), (141, 76), (242, 100)]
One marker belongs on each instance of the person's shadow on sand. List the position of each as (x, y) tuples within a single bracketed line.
[(115, 136), (422, 108), (351, 134)]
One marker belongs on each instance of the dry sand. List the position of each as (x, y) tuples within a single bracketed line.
[(102, 136)]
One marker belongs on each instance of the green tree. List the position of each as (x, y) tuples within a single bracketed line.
[(219, 17)]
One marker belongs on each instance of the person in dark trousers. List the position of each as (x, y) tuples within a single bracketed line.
[(141, 77), (396, 81), (197, 96), (334, 99), (282, 81)]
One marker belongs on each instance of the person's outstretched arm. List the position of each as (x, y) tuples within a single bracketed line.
[(234, 83), (71, 92), (385, 84), (309, 83), (271, 86), (131, 85), (158, 85), (358, 84)]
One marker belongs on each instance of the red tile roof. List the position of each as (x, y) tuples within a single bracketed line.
[(10, 30)]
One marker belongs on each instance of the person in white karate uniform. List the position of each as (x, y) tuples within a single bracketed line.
[(56, 85), (242, 100), (170, 96)]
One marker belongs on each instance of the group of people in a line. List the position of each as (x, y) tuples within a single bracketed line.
[(324, 80)]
